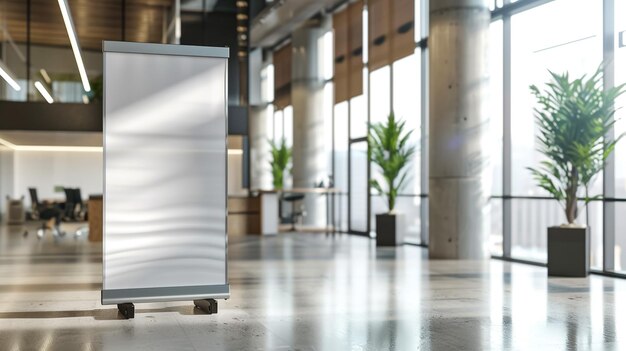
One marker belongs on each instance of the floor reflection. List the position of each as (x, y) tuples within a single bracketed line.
[(310, 292)]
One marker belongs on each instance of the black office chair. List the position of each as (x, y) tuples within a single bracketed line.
[(80, 208), (295, 214), (46, 213), (68, 214), (75, 209)]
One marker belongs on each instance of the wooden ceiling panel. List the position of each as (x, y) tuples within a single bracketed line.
[(95, 21)]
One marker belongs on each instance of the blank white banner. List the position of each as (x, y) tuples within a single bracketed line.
[(165, 131)]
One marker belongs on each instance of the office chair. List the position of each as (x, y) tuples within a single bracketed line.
[(293, 198), (68, 214), (46, 213), (80, 212), (75, 209), (80, 208)]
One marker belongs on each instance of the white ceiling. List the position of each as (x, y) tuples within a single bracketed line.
[(282, 17)]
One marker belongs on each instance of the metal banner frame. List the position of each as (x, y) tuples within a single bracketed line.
[(146, 242)]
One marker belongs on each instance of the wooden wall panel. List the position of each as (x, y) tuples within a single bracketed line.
[(402, 28), (379, 36), (282, 77), (355, 49), (95, 21), (342, 55)]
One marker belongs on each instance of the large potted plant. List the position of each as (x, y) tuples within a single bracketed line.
[(281, 155), (573, 117), (390, 151)]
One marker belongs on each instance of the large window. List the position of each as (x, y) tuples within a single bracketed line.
[(562, 35), (340, 165), (525, 42), (407, 107), (619, 208), (495, 141)]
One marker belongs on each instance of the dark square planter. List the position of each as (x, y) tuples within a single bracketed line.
[(389, 229), (568, 252)]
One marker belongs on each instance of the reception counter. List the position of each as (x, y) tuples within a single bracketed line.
[(95, 217)]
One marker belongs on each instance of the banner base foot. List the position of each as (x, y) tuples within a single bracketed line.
[(127, 310), (208, 306)]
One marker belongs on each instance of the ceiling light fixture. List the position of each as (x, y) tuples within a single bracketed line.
[(71, 33), (45, 76), (42, 90), (7, 75), (49, 148)]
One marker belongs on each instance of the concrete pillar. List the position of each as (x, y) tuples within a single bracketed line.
[(309, 159), (260, 153), (458, 122)]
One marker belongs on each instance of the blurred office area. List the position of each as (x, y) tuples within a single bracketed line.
[(378, 186)]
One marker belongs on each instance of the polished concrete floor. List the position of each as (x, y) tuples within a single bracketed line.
[(309, 292)]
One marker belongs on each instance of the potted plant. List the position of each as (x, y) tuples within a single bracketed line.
[(281, 155), (573, 117), (390, 151)]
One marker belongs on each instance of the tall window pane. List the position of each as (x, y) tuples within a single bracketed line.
[(358, 187), (494, 142), (278, 134), (380, 98), (358, 112), (620, 128), (358, 117), (545, 38), (380, 107), (341, 162), (407, 107)]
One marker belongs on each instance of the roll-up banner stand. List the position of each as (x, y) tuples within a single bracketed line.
[(165, 153)]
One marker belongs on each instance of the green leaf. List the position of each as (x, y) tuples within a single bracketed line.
[(281, 156), (573, 116), (389, 150)]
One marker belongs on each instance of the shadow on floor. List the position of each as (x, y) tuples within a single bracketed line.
[(99, 314)]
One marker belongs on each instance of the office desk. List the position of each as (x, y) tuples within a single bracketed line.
[(329, 193)]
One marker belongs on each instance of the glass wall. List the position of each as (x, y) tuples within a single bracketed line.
[(340, 162), (525, 42), (543, 39), (380, 107), (495, 140), (13, 80), (619, 31), (42, 62), (407, 106)]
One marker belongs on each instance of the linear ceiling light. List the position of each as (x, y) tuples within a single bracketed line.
[(12, 146), (6, 74), (235, 151), (45, 76), (71, 33), (42, 90)]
